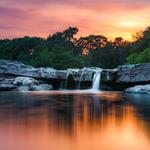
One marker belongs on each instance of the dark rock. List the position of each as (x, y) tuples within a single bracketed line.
[(109, 75)]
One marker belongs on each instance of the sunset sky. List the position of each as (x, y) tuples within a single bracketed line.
[(111, 18)]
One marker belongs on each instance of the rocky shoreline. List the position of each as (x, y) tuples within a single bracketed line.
[(18, 76)]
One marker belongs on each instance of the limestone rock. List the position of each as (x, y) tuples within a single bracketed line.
[(25, 81), (7, 87), (133, 73), (20, 69), (23, 88), (41, 87), (141, 89), (109, 75)]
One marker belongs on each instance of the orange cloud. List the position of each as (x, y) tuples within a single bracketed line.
[(111, 18)]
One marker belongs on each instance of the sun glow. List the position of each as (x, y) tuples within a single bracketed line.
[(120, 19), (129, 24)]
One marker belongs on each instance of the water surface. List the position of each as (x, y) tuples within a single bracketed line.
[(74, 121)]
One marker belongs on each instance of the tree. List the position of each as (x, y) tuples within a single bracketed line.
[(85, 45)]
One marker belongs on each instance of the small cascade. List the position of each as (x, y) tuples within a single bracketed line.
[(84, 74), (80, 80), (61, 85), (41, 71), (65, 87), (96, 80)]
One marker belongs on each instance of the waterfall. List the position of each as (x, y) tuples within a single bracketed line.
[(80, 80), (96, 80), (61, 85), (84, 74), (66, 80)]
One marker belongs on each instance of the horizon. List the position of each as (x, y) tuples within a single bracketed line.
[(76, 36), (111, 18)]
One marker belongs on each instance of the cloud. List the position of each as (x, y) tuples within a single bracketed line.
[(42, 17)]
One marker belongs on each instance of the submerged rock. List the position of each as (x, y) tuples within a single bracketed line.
[(142, 89)]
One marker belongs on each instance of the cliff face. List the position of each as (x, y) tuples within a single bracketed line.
[(119, 78)]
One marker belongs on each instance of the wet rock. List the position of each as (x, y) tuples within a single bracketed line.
[(8, 83), (23, 88), (7, 87), (109, 75), (141, 89), (25, 81), (19, 69), (61, 74), (84, 74), (41, 87)]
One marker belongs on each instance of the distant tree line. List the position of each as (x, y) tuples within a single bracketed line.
[(62, 50)]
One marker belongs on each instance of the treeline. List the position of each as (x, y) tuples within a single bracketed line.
[(62, 50)]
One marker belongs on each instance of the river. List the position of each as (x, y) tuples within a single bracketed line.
[(74, 121)]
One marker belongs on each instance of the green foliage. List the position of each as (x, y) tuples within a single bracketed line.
[(57, 51), (62, 50), (143, 57)]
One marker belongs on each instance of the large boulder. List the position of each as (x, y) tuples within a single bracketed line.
[(133, 73), (25, 81), (20, 69), (21, 83), (141, 89), (30, 84)]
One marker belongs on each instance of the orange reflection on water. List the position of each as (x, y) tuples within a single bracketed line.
[(86, 123), (112, 96)]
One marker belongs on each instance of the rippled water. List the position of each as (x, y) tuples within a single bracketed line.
[(74, 121)]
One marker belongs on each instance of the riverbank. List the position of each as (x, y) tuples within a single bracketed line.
[(20, 77)]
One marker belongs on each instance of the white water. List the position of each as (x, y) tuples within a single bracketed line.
[(96, 80), (95, 83), (80, 80), (61, 85), (66, 81)]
